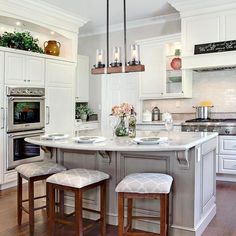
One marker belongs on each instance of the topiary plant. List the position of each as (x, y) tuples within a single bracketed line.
[(22, 41)]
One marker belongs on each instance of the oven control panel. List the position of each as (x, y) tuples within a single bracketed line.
[(22, 91)]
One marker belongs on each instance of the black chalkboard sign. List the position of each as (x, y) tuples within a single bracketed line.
[(223, 46)]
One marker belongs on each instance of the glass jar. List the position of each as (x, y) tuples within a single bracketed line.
[(121, 129)]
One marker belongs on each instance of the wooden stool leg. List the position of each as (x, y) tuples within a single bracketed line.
[(129, 219), (103, 209), (78, 213), (163, 213), (51, 208), (19, 199), (61, 203), (31, 205), (120, 214), (167, 214)]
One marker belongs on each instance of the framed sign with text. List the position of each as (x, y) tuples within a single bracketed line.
[(223, 46)]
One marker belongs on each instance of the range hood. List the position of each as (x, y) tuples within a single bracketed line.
[(210, 61)]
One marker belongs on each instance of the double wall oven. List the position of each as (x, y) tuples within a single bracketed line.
[(25, 118)]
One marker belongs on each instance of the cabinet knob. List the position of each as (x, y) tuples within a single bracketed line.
[(28, 80), (24, 80)]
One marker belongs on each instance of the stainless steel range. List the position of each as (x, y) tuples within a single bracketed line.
[(222, 126)]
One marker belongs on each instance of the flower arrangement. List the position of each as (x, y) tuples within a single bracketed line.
[(122, 110)]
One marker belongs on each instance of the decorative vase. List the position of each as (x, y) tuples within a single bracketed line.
[(52, 47), (84, 117), (121, 129), (176, 62)]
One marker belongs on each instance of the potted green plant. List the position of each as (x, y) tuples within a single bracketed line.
[(20, 40), (83, 111)]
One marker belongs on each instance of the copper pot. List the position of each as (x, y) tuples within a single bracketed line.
[(52, 47)]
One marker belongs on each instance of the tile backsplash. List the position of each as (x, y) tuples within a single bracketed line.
[(216, 86)]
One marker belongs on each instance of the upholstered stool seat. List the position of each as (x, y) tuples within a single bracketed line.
[(145, 183), (39, 168), (33, 172), (77, 181), (143, 186)]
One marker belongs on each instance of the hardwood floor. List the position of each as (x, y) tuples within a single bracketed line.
[(224, 223)]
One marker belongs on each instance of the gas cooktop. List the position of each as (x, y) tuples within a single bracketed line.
[(222, 126), (211, 120)]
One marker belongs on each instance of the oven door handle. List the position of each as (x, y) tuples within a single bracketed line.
[(3, 117), (26, 98), (48, 115), (25, 134)]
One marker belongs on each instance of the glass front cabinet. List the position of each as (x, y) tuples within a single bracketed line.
[(164, 69)]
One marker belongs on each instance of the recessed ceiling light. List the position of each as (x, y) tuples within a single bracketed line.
[(52, 32), (2, 28), (18, 23)]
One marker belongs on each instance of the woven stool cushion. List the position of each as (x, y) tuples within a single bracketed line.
[(77, 178), (39, 168), (145, 183)]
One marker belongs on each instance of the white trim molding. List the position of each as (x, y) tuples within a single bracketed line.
[(134, 24), (41, 13), (197, 7)]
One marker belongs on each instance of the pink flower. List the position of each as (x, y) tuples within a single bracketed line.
[(124, 109)]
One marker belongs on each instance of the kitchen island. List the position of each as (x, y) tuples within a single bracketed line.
[(188, 157)]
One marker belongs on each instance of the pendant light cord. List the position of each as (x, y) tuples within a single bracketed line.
[(107, 33), (125, 46)]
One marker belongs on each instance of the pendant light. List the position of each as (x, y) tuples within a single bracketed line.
[(116, 66)]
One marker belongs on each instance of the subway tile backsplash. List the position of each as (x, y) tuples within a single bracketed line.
[(218, 87)]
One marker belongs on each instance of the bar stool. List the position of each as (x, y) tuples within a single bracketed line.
[(77, 181), (143, 186), (33, 172)]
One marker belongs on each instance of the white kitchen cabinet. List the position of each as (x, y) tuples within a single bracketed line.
[(2, 149), (151, 80), (2, 63), (82, 79), (60, 102), (24, 70), (59, 110), (227, 154), (59, 73), (35, 70), (160, 80)]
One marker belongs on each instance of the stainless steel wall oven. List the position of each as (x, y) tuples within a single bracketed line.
[(26, 109), (25, 118), (19, 151)]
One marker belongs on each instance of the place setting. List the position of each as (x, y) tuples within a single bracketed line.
[(89, 139), (55, 136)]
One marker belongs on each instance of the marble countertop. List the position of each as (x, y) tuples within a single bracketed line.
[(178, 141)]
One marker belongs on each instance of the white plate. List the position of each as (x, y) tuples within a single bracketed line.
[(150, 140), (89, 139), (55, 136)]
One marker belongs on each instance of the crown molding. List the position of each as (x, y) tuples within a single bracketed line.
[(42, 13), (195, 7), (134, 24)]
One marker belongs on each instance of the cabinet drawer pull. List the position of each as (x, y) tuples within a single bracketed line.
[(48, 115), (28, 80), (3, 117)]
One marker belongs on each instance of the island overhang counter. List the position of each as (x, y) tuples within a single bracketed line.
[(190, 158)]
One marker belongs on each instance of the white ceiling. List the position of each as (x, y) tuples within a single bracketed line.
[(95, 10)]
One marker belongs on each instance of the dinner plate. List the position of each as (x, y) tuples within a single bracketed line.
[(89, 139), (55, 136), (150, 140)]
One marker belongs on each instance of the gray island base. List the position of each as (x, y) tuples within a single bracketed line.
[(188, 157)]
